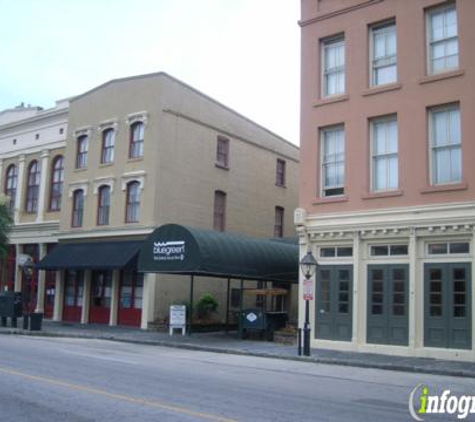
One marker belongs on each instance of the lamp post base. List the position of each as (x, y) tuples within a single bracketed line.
[(306, 330)]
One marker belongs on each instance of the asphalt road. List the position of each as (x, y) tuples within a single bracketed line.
[(58, 379)]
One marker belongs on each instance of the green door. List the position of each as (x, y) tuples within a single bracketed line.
[(388, 314), (447, 306), (334, 294)]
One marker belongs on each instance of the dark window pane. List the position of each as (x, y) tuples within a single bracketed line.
[(435, 274), (459, 286), (344, 286), (377, 274), (343, 297), (438, 248), (435, 299), (460, 311), (398, 274), (381, 250), (459, 299), (344, 251), (398, 249), (398, 298), (327, 252), (377, 309), (459, 248), (435, 311), (377, 286), (343, 308), (343, 275), (325, 274), (326, 307), (377, 298), (398, 286), (459, 274)]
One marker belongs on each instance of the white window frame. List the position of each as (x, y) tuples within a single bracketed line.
[(429, 43), (387, 61), (333, 42), (448, 253), (324, 188), (335, 248), (432, 148), (373, 122), (389, 254)]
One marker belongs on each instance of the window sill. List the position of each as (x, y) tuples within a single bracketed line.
[(330, 200), (134, 159), (441, 76), (220, 166), (445, 188), (382, 88), (280, 186), (385, 194), (105, 165), (331, 100), (80, 169)]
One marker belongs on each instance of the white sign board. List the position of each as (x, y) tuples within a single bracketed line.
[(307, 290), (177, 318)]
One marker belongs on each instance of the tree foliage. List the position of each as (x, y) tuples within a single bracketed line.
[(5, 227)]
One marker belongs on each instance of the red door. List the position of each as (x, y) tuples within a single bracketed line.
[(8, 270), (101, 291), (131, 295), (50, 287), (73, 296)]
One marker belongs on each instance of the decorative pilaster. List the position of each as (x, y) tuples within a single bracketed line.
[(40, 299), (59, 296), (114, 298), (43, 181), (358, 291), (18, 271), (148, 310), (86, 297), (20, 185), (416, 303)]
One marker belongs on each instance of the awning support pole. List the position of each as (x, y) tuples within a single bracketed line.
[(191, 306), (227, 306), (240, 308)]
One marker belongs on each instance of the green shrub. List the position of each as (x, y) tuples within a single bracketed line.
[(206, 306)]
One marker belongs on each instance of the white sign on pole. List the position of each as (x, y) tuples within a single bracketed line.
[(307, 290), (177, 318)]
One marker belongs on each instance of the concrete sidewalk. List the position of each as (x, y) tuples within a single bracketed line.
[(230, 343)]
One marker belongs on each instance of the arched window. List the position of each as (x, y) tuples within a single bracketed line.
[(56, 185), (11, 183), (132, 209), (219, 218), (81, 152), (33, 187), (78, 208), (108, 141), (136, 140), (103, 205)]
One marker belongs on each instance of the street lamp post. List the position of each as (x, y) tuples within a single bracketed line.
[(308, 264), (27, 266)]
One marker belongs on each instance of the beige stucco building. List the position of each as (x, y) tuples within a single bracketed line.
[(150, 150), (387, 195), (32, 143)]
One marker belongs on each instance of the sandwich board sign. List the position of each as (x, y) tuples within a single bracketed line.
[(177, 319)]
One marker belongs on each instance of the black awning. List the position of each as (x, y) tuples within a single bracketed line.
[(175, 249), (91, 256)]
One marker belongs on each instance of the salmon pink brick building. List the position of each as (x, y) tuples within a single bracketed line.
[(387, 191)]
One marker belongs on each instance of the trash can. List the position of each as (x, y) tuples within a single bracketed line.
[(36, 320)]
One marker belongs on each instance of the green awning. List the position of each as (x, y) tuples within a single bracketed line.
[(176, 249), (91, 256)]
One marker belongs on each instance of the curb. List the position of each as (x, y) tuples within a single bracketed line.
[(203, 348)]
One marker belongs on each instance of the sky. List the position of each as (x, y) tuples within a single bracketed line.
[(243, 53)]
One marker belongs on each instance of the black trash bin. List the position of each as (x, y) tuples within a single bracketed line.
[(36, 320)]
